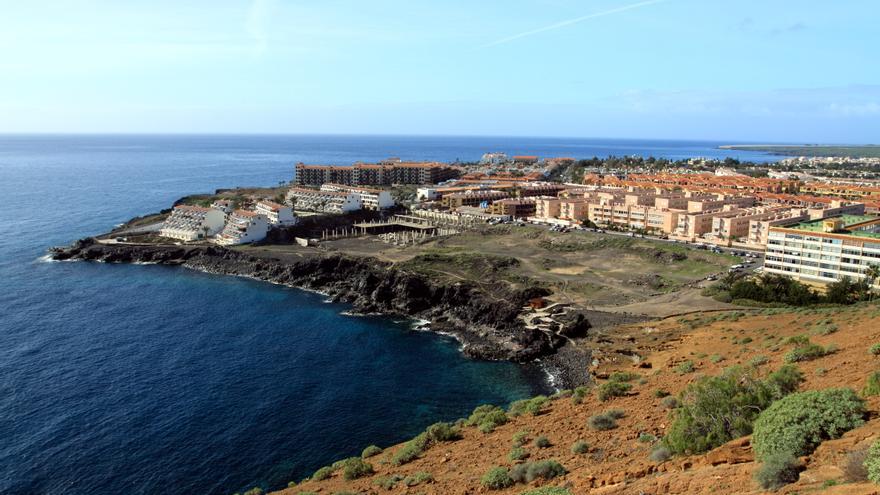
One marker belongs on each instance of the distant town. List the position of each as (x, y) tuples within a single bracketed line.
[(811, 225)]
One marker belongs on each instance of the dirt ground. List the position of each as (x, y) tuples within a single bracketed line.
[(617, 461)]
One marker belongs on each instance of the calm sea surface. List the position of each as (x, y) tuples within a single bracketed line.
[(150, 379)]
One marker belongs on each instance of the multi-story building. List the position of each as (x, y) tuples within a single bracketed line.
[(514, 208), (472, 198), (372, 199), (243, 227), (826, 250), (374, 174), (275, 213), (224, 205), (304, 199), (190, 223)]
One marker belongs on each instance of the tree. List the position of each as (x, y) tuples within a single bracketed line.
[(872, 273)]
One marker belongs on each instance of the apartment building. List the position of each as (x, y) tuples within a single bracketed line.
[(374, 174), (372, 199), (825, 250), (243, 227), (304, 199), (514, 208), (189, 223), (275, 213)]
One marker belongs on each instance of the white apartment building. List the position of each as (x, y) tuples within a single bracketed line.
[(371, 199), (280, 215), (189, 223), (824, 251), (323, 201), (243, 227)]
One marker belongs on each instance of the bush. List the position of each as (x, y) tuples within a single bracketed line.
[(530, 471), (520, 438), (441, 432), (410, 451), (613, 389), (647, 438), (777, 470), (616, 413), (685, 367), (370, 451), (547, 490), (805, 352), (496, 478), (670, 402), (872, 462), (580, 447), (355, 467), (533, 406), (542, 442), (623, 376), (323, 473), (602, 422), (759, 361), (578, 395), (717, 409), (875, 349), (387, 482), (660, 454), (798, 423), (517, 454), (872, 385), (487, 417), (418, 478), (660, 393)]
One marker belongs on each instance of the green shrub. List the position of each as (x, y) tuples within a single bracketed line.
[(759, 361), (660, 393), (370, 451), (647, 438), (805, 352), (547, 490), (486, 418), (717, 409), (875, 349), (530, 471), (542, 442), (441, 432), (580, 447), (387, 482), (660, 454), (616, 413), (517, 454), (670, 402), (716, 358), (777, 470), (520, 438), (410, 451), (872, 385), (579, 393), (496, 478), (602, 422), (623, 376), (872, 462), (323, 473), (418, 478), (355, 467), (685, 367), (532, 406), (798, 340), (613, 389), (798, 423)]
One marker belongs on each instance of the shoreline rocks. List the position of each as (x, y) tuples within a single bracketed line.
[(487, 325)]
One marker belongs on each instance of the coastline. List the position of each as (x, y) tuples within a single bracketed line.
[(483, 329)]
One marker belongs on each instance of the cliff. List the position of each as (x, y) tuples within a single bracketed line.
[(488, 325)]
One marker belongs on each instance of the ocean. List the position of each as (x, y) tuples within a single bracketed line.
[(149, 379)]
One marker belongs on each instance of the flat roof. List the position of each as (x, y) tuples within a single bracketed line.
[(848, 222)]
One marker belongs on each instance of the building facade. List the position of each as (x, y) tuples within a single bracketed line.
[(189, 223), (243, 227), (275, 213)]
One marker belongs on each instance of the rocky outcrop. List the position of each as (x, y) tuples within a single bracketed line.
[(487, 324)]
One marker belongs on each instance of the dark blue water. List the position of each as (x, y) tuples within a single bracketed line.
[(149, 379)]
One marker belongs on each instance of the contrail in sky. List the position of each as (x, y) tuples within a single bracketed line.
[(572, 21)]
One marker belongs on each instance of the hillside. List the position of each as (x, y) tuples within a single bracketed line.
[(655, 358)]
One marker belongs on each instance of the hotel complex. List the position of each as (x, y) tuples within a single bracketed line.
[(243, 227), (189, 223), (823, 251), (383, 173)]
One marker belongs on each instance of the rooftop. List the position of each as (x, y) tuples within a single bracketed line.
[(851, 224)]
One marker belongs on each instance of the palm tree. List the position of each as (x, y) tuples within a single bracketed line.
[(872, 273)]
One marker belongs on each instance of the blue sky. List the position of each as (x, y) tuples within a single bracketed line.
[(744, 70)]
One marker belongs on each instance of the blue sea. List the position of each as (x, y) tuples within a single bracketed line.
[(152, 379)]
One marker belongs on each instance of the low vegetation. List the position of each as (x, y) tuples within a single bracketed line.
[(487, 417), (530, 471), (496, 478), (717, 409)]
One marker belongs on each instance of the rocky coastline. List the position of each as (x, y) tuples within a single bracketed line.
[(487, 325)]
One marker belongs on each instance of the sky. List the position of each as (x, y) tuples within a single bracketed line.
[(794, 71)]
